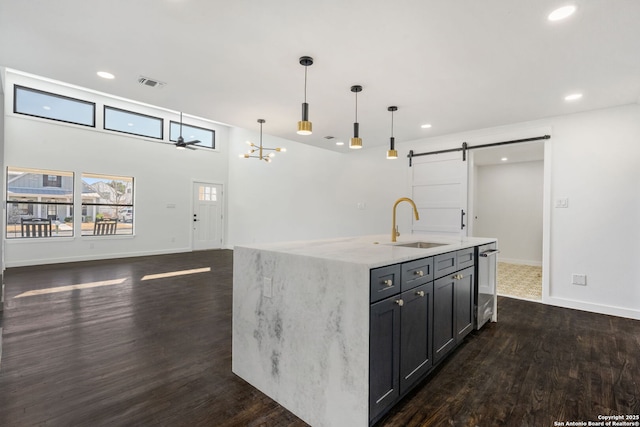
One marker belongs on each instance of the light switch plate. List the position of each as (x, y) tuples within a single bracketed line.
[(562, 202)]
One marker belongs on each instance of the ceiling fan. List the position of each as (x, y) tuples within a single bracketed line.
[(181, 144)]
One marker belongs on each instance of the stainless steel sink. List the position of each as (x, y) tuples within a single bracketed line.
[(421, 245)]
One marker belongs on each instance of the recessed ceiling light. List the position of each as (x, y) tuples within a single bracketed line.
[(561, 13), (504, 159), (129, 124), (105, 75), (425, 126), (46, 107), (339, 143), (573, 97)]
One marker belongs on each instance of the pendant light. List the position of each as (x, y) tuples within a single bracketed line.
[(304, 125), (356, 142), (392, 153), (260, 149)]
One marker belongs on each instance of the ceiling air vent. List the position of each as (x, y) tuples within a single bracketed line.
[(146, 81), (329, 137)]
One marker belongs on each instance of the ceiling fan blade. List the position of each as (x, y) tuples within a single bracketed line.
[(189, 147), (195, 141)]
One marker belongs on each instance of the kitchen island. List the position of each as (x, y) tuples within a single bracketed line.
[(301, 319)]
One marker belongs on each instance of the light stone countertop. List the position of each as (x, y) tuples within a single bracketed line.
[(372, 251), (301, 313)]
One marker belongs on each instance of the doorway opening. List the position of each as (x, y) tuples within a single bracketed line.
[(506, 201)]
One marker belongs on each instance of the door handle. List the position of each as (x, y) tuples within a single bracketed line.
[(462, 214)]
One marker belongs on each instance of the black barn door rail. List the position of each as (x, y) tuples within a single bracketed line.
[(466, 147)]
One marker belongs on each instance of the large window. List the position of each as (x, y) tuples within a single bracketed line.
[(134, 123), (37, 103), (207, 137), (107, 205), (39, 203)]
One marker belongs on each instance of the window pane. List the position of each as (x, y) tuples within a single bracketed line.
[(191, 133), (37, 209), (107, 205), (37, 103), (132, 123)]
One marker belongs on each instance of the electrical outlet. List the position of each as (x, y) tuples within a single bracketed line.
[(267, 287), (562, 202), (579, 279)]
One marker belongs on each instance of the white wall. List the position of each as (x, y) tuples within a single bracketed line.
[(309, 193), (595, 164), (592, 159), (163, 176), (509, 206)]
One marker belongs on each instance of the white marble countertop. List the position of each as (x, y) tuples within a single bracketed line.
[(372, 251)]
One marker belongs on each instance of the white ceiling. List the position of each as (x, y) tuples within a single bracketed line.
[(459, 64)]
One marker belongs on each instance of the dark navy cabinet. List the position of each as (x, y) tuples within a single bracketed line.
[(420, 311), (444, 331), (416, 341), (384, 355), (464, 317)]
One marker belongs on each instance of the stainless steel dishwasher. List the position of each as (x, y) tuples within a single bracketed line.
[(486, 290)]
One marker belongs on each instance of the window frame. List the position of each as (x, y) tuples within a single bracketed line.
[(45, 203), (17, 87), (118, 206), (134, 113), (213, 134)]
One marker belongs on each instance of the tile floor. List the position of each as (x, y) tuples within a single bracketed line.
[(520, 281)]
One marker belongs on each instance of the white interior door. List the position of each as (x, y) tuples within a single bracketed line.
[(207, 216), (439, 187)]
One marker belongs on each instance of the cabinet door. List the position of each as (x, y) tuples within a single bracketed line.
[(384, 355), (416, 317), (444, 332), (464, 302)]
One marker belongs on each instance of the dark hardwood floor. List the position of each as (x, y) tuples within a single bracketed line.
[(158, 352)]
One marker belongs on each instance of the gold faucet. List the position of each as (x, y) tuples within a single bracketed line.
[(394, 228)]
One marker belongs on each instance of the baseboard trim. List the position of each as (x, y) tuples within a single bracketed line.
[(592, 308), (44, 261)]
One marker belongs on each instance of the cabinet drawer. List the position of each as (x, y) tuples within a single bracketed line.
[(444, 264), (384, 282), (465, 257), (416, 273)]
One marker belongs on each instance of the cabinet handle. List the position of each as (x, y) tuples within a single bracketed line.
[(419, 273), (420, 293), (388, 282), (458, 277), (400, 302)]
